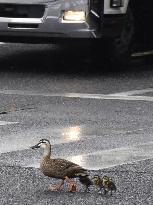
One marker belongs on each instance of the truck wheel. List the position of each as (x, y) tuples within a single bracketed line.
[(121, 47)]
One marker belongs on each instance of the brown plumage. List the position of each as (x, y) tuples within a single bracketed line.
[(59, 168)]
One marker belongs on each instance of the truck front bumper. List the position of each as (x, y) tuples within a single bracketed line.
[(51, 25)]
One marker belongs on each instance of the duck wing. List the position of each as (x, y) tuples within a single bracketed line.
[(68, 168)]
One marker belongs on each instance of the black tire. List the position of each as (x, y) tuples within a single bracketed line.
[(120, 49)]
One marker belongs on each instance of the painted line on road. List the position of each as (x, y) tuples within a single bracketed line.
[(7, 123), (114, 157), (132, 92), (139, 54), (115, 96)]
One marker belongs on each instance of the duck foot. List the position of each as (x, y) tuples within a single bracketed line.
[(87, 190), (56, 187), (71, 185)]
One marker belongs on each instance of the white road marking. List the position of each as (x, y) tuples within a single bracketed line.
[(115, 96), (7, 123), (139, 54), (132, 92), (113, 157)]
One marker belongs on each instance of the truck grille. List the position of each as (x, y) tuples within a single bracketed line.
[(21, 10)]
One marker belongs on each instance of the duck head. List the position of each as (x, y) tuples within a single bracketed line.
[(105, 179), (45, 145), (96, 179)]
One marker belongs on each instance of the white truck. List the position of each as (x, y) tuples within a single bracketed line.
[(121, 24)]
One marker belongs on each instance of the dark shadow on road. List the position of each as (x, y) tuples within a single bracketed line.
[(62, 59)]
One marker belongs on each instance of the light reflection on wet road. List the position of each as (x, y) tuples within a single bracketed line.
[(56, 136), (71, 133), (114, 157)]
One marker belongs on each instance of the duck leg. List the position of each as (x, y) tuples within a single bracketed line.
[(72, 184), (56, 187)]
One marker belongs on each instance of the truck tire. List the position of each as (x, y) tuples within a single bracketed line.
[(121, 47)]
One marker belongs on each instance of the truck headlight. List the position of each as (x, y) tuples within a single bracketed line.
[(116, 3), (74, 16)]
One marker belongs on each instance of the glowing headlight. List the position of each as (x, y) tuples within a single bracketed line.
[(116, 3), (74, 16)]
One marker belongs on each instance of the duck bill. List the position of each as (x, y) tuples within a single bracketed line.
[(35, 146)]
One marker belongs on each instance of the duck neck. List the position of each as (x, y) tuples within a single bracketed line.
[(47, 152)]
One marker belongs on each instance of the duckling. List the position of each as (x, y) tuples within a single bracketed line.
[(85, 181), (108, 185), (59, 168), (97, 181)]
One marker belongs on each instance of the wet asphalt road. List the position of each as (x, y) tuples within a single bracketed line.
[(87, 112)]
